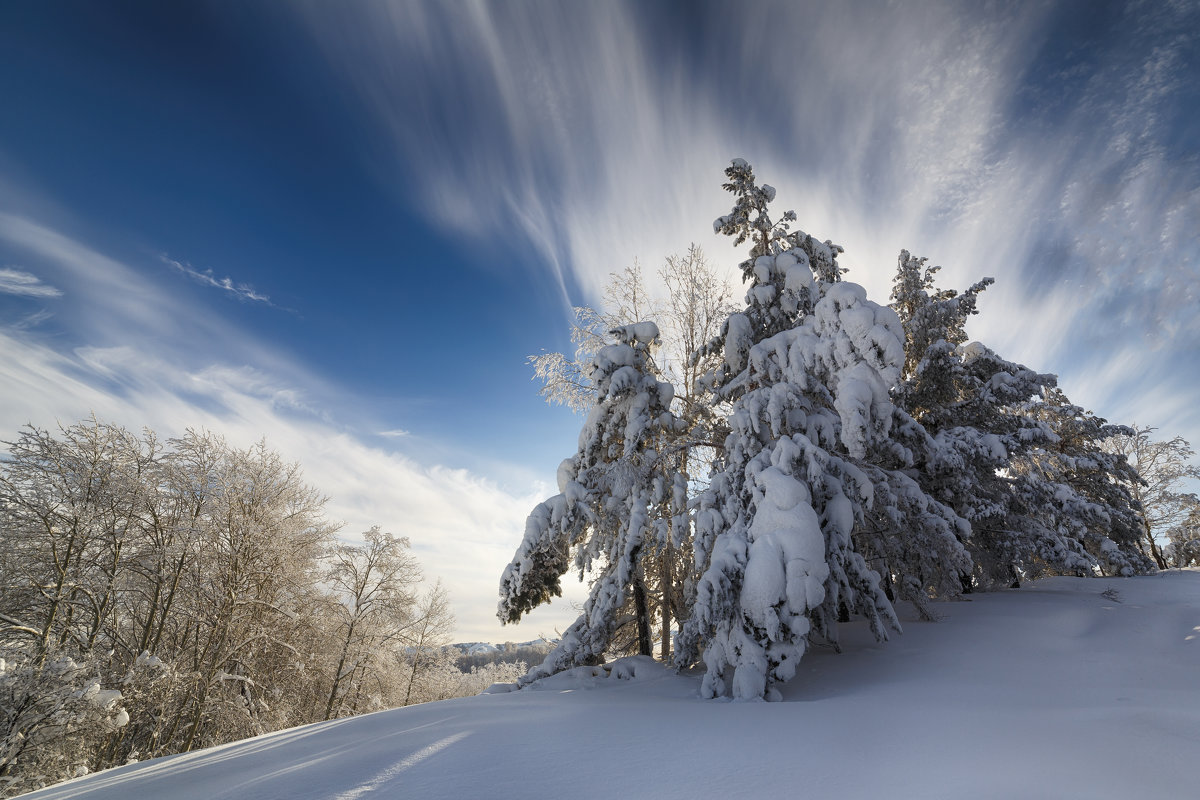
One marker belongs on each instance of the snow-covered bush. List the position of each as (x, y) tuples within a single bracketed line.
[(53, 716)]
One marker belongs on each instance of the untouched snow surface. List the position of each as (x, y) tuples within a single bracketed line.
[(1065, 688)]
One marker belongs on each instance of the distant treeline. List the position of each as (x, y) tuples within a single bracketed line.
[(508, 653)]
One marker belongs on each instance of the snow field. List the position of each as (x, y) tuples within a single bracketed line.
[(1053, 690)]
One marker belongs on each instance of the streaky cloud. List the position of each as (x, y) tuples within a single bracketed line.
[(1001, 140), (19, 282), (241, 291)]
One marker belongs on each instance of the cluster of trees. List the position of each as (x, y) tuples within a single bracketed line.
[(760, 475), (157, 597), (508, 653)]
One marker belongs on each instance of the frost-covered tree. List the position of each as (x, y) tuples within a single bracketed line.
[(812, 454), (69, 504), (425, 645), (565, 380), (375, 584), (1184, 547), (196, 577), (617, 497), (1165, 468), (250, 583)]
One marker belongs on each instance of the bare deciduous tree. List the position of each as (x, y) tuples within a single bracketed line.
[(1166, 468), (375, 582)]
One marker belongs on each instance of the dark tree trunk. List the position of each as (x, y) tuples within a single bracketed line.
[(643, 617)]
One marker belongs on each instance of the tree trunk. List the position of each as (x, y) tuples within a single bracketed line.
[(667, 583), (337, 674), (412, 677), (1154, 549), (643, 617)]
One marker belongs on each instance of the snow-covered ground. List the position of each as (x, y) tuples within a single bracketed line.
[(1064, 688)]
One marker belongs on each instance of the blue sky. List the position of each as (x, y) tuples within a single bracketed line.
[(344, 225)]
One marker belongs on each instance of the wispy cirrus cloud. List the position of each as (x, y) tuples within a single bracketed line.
[(19, 282), (1002, 140), (242, 291), (564, 127), (110, 301)]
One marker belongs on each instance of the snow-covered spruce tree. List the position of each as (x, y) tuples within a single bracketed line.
[(618, 495), (812, 454), (998, 460), (697, 302)]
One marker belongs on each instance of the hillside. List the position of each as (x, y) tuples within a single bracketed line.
[(1066, 687)]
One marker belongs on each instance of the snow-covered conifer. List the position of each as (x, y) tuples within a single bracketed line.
[(811, 454), (1087, 487), (1012, 455), (618, 495)]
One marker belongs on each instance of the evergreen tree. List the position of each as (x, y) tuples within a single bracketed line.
[(810, 456), (1013, 456), (1085, 488), (618, 497)]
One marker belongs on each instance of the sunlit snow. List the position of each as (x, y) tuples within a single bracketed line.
[(1067, 687)]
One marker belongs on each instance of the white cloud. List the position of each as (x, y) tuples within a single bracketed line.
[(121, 291), (31, 320), (19, 282), (241, 291), (152, 360), (571, 142), (111, 303)]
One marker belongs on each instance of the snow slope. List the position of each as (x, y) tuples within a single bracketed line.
[(1053, 690)]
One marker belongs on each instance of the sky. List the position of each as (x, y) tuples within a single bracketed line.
[(344, 226)]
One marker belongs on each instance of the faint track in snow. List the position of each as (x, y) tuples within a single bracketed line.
[(396, 769)]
